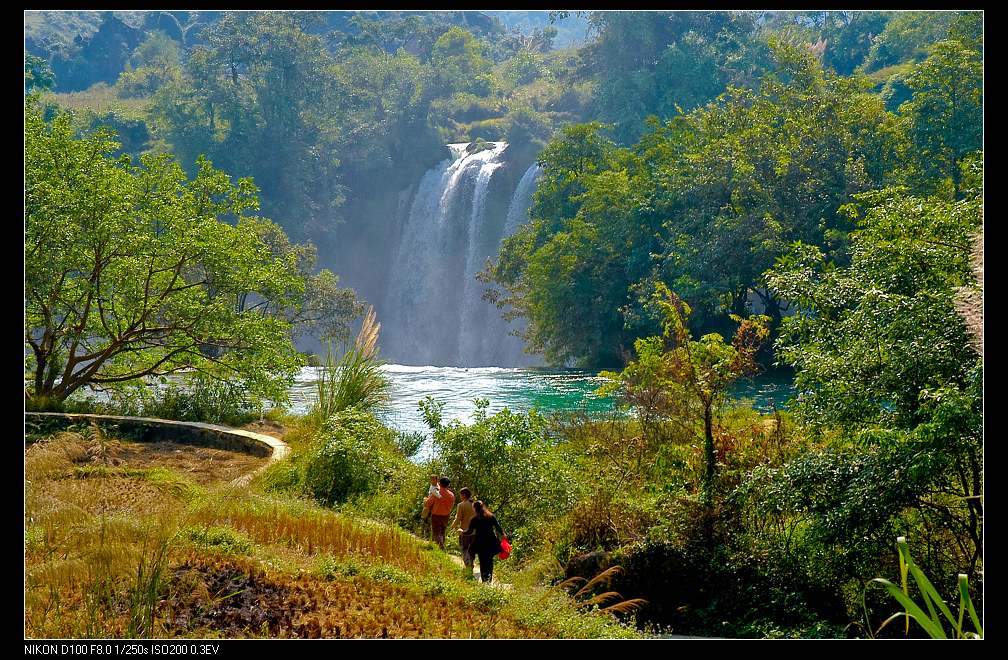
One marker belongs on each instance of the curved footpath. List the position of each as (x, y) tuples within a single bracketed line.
[(194, 433)]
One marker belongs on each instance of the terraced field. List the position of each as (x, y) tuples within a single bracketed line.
[(127, 539)]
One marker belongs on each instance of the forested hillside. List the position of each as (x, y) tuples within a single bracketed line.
[(676, 201)]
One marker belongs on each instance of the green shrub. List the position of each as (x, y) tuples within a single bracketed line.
[(351, 459), (507, 460), (194, 398), (203, 399), (279, 477), (35, 539), (715, 592), (399, 501), (353, 455)]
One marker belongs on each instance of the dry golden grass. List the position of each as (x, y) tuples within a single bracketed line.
[(118, 551), (312, 531), (204, 465), (239, 599), (81, 581), (610, 602), (99, 99)]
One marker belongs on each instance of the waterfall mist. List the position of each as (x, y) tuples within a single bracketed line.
[(433, 309)]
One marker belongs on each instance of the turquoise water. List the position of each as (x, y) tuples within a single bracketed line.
[(519, 389)]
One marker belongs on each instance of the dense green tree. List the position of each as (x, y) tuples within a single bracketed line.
[(967, 28), (678, 61), (883, 359), (410, 34), (908, 36), (686, 380), (130, 271), (760, 169), (460, 65), (849, 36), (38, 75), (945, 115), (844, 38), (388, 96), (568, 271), (706, 201), (260, 99), (157, 60)]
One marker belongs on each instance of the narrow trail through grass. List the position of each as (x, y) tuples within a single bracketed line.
[(160, 539), (476, 574)]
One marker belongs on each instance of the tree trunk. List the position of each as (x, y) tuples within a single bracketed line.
[(711, 459), (40, 368), (739, 300)]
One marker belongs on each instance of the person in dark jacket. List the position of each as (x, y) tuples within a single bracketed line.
[(487, 534)]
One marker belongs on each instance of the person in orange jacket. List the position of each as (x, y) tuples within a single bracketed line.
[(440, 508)]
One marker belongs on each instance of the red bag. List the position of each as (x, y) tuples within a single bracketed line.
[(505, 549)]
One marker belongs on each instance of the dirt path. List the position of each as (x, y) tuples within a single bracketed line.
[(269, 429), (476, 574)]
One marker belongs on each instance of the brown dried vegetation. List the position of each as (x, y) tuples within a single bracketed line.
[(116, 547), (238, 598), (313, 532)]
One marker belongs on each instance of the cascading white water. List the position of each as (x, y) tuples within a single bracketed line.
[(486, 338), (503, 346), (434, 313), (472, 324), (413, 282), (517, 213)]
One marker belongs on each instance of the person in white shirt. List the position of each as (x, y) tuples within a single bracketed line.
[(434, 490)]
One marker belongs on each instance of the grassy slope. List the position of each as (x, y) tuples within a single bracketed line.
[(100, 99), (126, 550)]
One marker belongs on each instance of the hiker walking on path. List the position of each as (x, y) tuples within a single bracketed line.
[(464, 514), (486, 533), (440, 508)]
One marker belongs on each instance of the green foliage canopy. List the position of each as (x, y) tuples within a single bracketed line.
[(883, 358), (677, 377), (38, 74), (131, 272), (506, 460), (945, 115), (705, 202)]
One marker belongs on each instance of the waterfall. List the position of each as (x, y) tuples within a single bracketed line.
[(432, 292), (517, 213), (502, 346), (472, 323), (434, 313)]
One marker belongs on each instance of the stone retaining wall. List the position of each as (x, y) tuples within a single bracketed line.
[(146, 429)]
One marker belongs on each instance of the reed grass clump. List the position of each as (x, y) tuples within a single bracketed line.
[(356, 379)]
